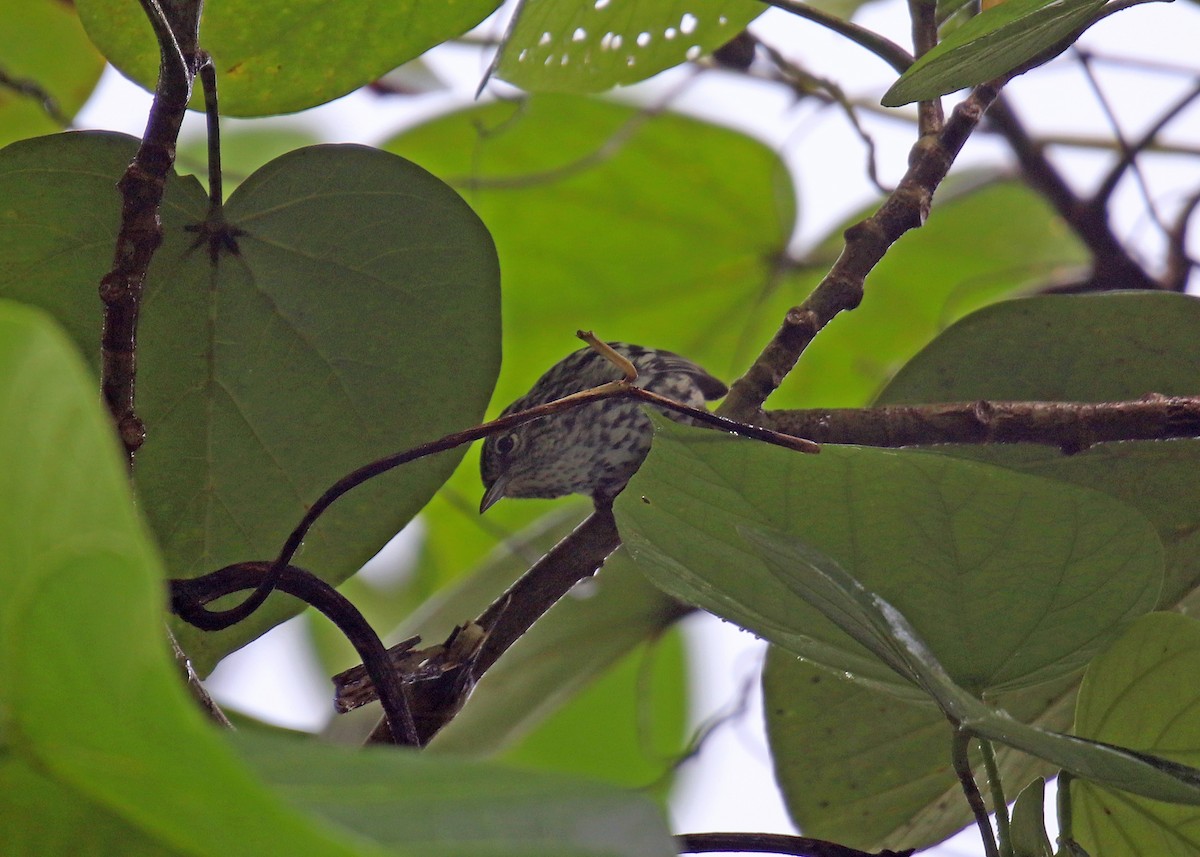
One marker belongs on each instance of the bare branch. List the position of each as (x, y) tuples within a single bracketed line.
[(1071, 426), (866, 242), (1113, 267)]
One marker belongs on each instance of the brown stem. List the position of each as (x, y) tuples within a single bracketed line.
[(866, 242), (1071, 426), (772, 843), (1179, 263), (188, 596), (1112, 266), (966, 778), (925, 38), (177, 27), (576, 557)]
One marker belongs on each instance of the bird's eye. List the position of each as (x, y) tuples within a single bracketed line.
[(506, 443)]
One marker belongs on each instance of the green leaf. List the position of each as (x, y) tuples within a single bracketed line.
[(991, 44), (564, 46), (963, 259), (860, 767), (933, 537), (1044, 348), (893, 638), (1141, 693), (1028, 827), (333, 337), (112, 743), (596, 226), (265, 53), (1034, 347), (435, 806), (41, 817), (42, 43), (90, 698), (596, 664)]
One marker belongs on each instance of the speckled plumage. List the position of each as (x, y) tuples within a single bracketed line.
[(593, 449), (596, 448)]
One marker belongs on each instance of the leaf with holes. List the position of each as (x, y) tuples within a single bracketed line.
[(567, 46)]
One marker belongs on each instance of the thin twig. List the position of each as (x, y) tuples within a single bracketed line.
[(999, 802), (1130, 151), (1112, 266), (962, 768), (142, 186), (772, 843), (1179, 262), (804, 83), (32, 89), (923, 15), (906, 208), (188, 596), (887, 50), (195, 686)]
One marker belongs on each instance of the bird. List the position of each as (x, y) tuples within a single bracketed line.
[(593, 449)]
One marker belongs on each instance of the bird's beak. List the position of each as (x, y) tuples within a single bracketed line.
[(493, 494)]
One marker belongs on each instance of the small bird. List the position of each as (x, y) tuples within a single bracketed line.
[(593, 449)]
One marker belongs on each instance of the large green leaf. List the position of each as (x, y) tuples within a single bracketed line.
[(102, 745), (939, 538), (89, 695), (889, 636), (1142, 693), (860, 767), (265, 53), (993, 43), (565, 46), (442, 807), (333, 337), (42, 43), (1083, 348), (1038, 348)]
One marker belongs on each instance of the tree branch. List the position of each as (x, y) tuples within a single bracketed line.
[(1112, 266), (866, 242), (773, 843), (1071, 426), (925, 38), (887, 50), (962, 768), (176, 24)]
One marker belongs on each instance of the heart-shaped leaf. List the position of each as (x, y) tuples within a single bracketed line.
[(941, 539), (359, 317)]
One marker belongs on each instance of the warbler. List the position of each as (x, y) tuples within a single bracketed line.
[(593, 449)]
